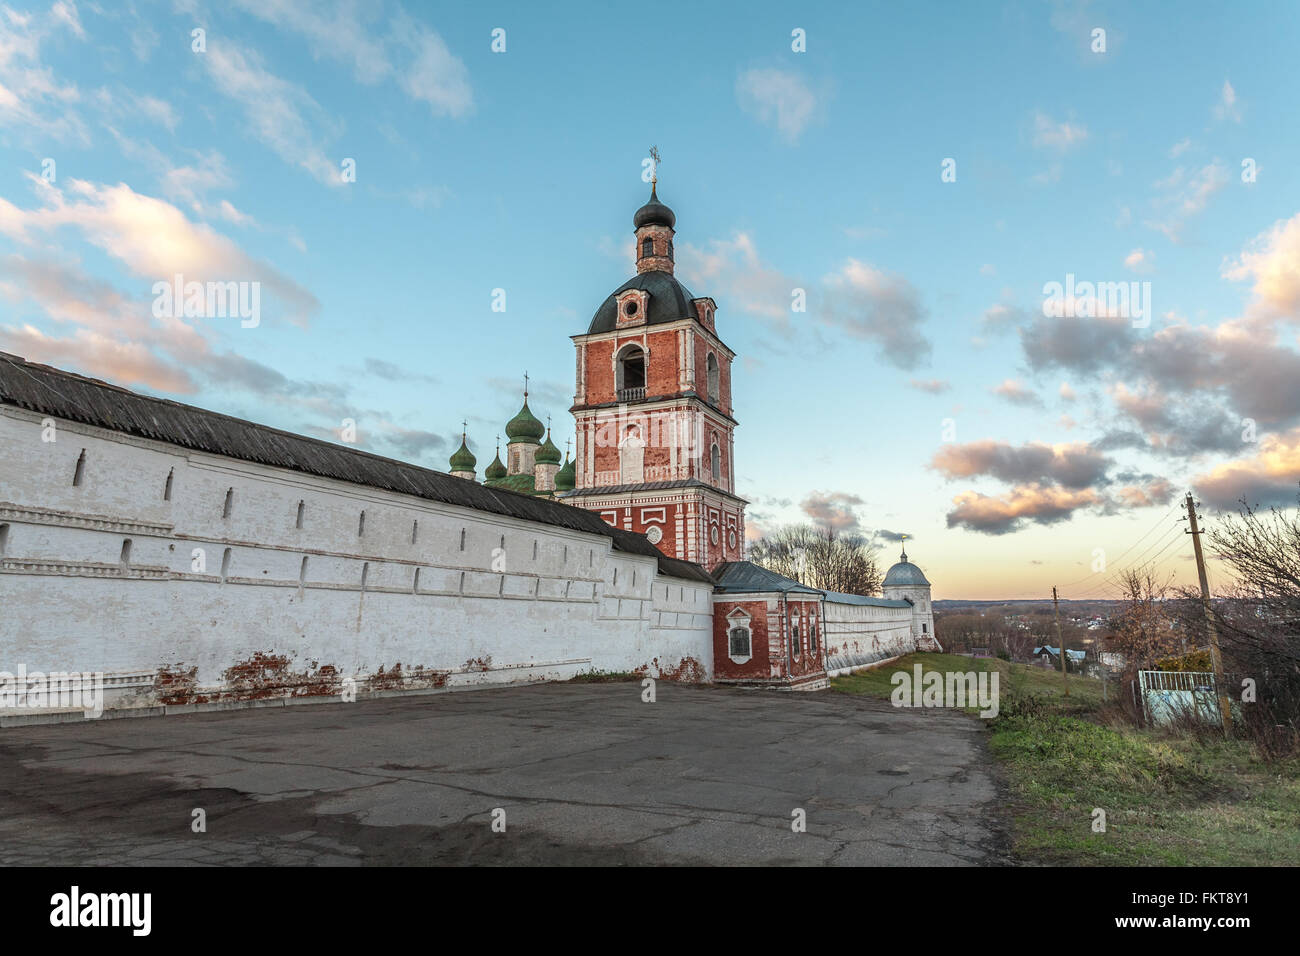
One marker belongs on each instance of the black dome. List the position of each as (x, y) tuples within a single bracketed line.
[(669, 302), (654, 213)]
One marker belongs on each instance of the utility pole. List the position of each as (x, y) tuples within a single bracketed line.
[(1060, 644), (1216, 657)]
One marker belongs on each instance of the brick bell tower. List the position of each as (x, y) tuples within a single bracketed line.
[(653, 410)]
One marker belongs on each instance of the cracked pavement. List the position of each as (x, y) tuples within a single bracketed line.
[(585, 773)]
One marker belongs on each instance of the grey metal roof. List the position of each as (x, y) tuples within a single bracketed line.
[(52, 391), (905, 574), (746, 576), (836, 597), (670, 301)]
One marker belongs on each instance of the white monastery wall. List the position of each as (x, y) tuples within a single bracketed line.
[(210, 605), (858, 635)]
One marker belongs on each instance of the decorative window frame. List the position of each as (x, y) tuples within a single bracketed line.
[(642, 300), (738, 618)]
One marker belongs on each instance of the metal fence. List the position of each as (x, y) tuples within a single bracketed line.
[(1168, 694)]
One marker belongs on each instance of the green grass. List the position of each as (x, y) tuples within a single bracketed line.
[(1169, 799)]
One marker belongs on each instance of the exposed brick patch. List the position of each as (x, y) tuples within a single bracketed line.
[(269, 676), (175, 684), (686, 671)]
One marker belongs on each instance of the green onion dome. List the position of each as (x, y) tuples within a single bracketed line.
[(548, 454), (525, 427), (565, 478), (495, 471), (463, 459)]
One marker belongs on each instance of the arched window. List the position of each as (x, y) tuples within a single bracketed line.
[(647, 247), (630, 374), (715, 462), (738, 642), (712, 365), (794, 639), (670, 249)]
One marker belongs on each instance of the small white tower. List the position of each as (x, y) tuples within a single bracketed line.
[(906, 582)]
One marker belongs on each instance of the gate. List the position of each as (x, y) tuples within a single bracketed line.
[(1166, 694)]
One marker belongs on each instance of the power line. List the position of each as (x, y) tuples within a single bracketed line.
[(1159, 521), (1113, 576)]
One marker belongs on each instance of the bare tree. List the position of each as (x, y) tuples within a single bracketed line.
[(820, 558), (1258, 620), (1145, 628)]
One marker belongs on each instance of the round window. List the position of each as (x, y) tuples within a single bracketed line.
[(713, 534), (654, 535), (731, 540), (630, 308)]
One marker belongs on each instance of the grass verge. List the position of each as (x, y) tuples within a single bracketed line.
[(1168, 798)]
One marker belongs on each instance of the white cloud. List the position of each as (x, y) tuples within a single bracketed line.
[(411, 54), (778, 98), (733, 270), (1184, 196), (1016, 394), (151, 237), (1227, 108), (1272, 262), (1062, 136), (31, 98), (1139, 260), (274, 109), (869, 303), (433, 75), (66, 13)]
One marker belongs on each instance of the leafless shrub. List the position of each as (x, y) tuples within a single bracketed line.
[(822, 558)]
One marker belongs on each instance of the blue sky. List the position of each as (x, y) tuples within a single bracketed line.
[(924, 390)]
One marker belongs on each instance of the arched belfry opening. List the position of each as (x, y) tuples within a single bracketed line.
[(630, 373), (714, 381)]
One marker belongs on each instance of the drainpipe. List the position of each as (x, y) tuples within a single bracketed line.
[(785, 636)]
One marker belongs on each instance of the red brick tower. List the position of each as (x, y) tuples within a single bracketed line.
[(653, 409)]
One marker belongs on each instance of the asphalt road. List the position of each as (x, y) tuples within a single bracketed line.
[(583, 773)]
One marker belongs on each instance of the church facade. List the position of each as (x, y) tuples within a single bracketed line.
[(195, 560)]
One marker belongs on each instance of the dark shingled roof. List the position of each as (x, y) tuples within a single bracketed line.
[(52, 391), (670, 301), (746, 576)]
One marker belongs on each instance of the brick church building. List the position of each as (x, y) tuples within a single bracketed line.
[(653, 409)]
